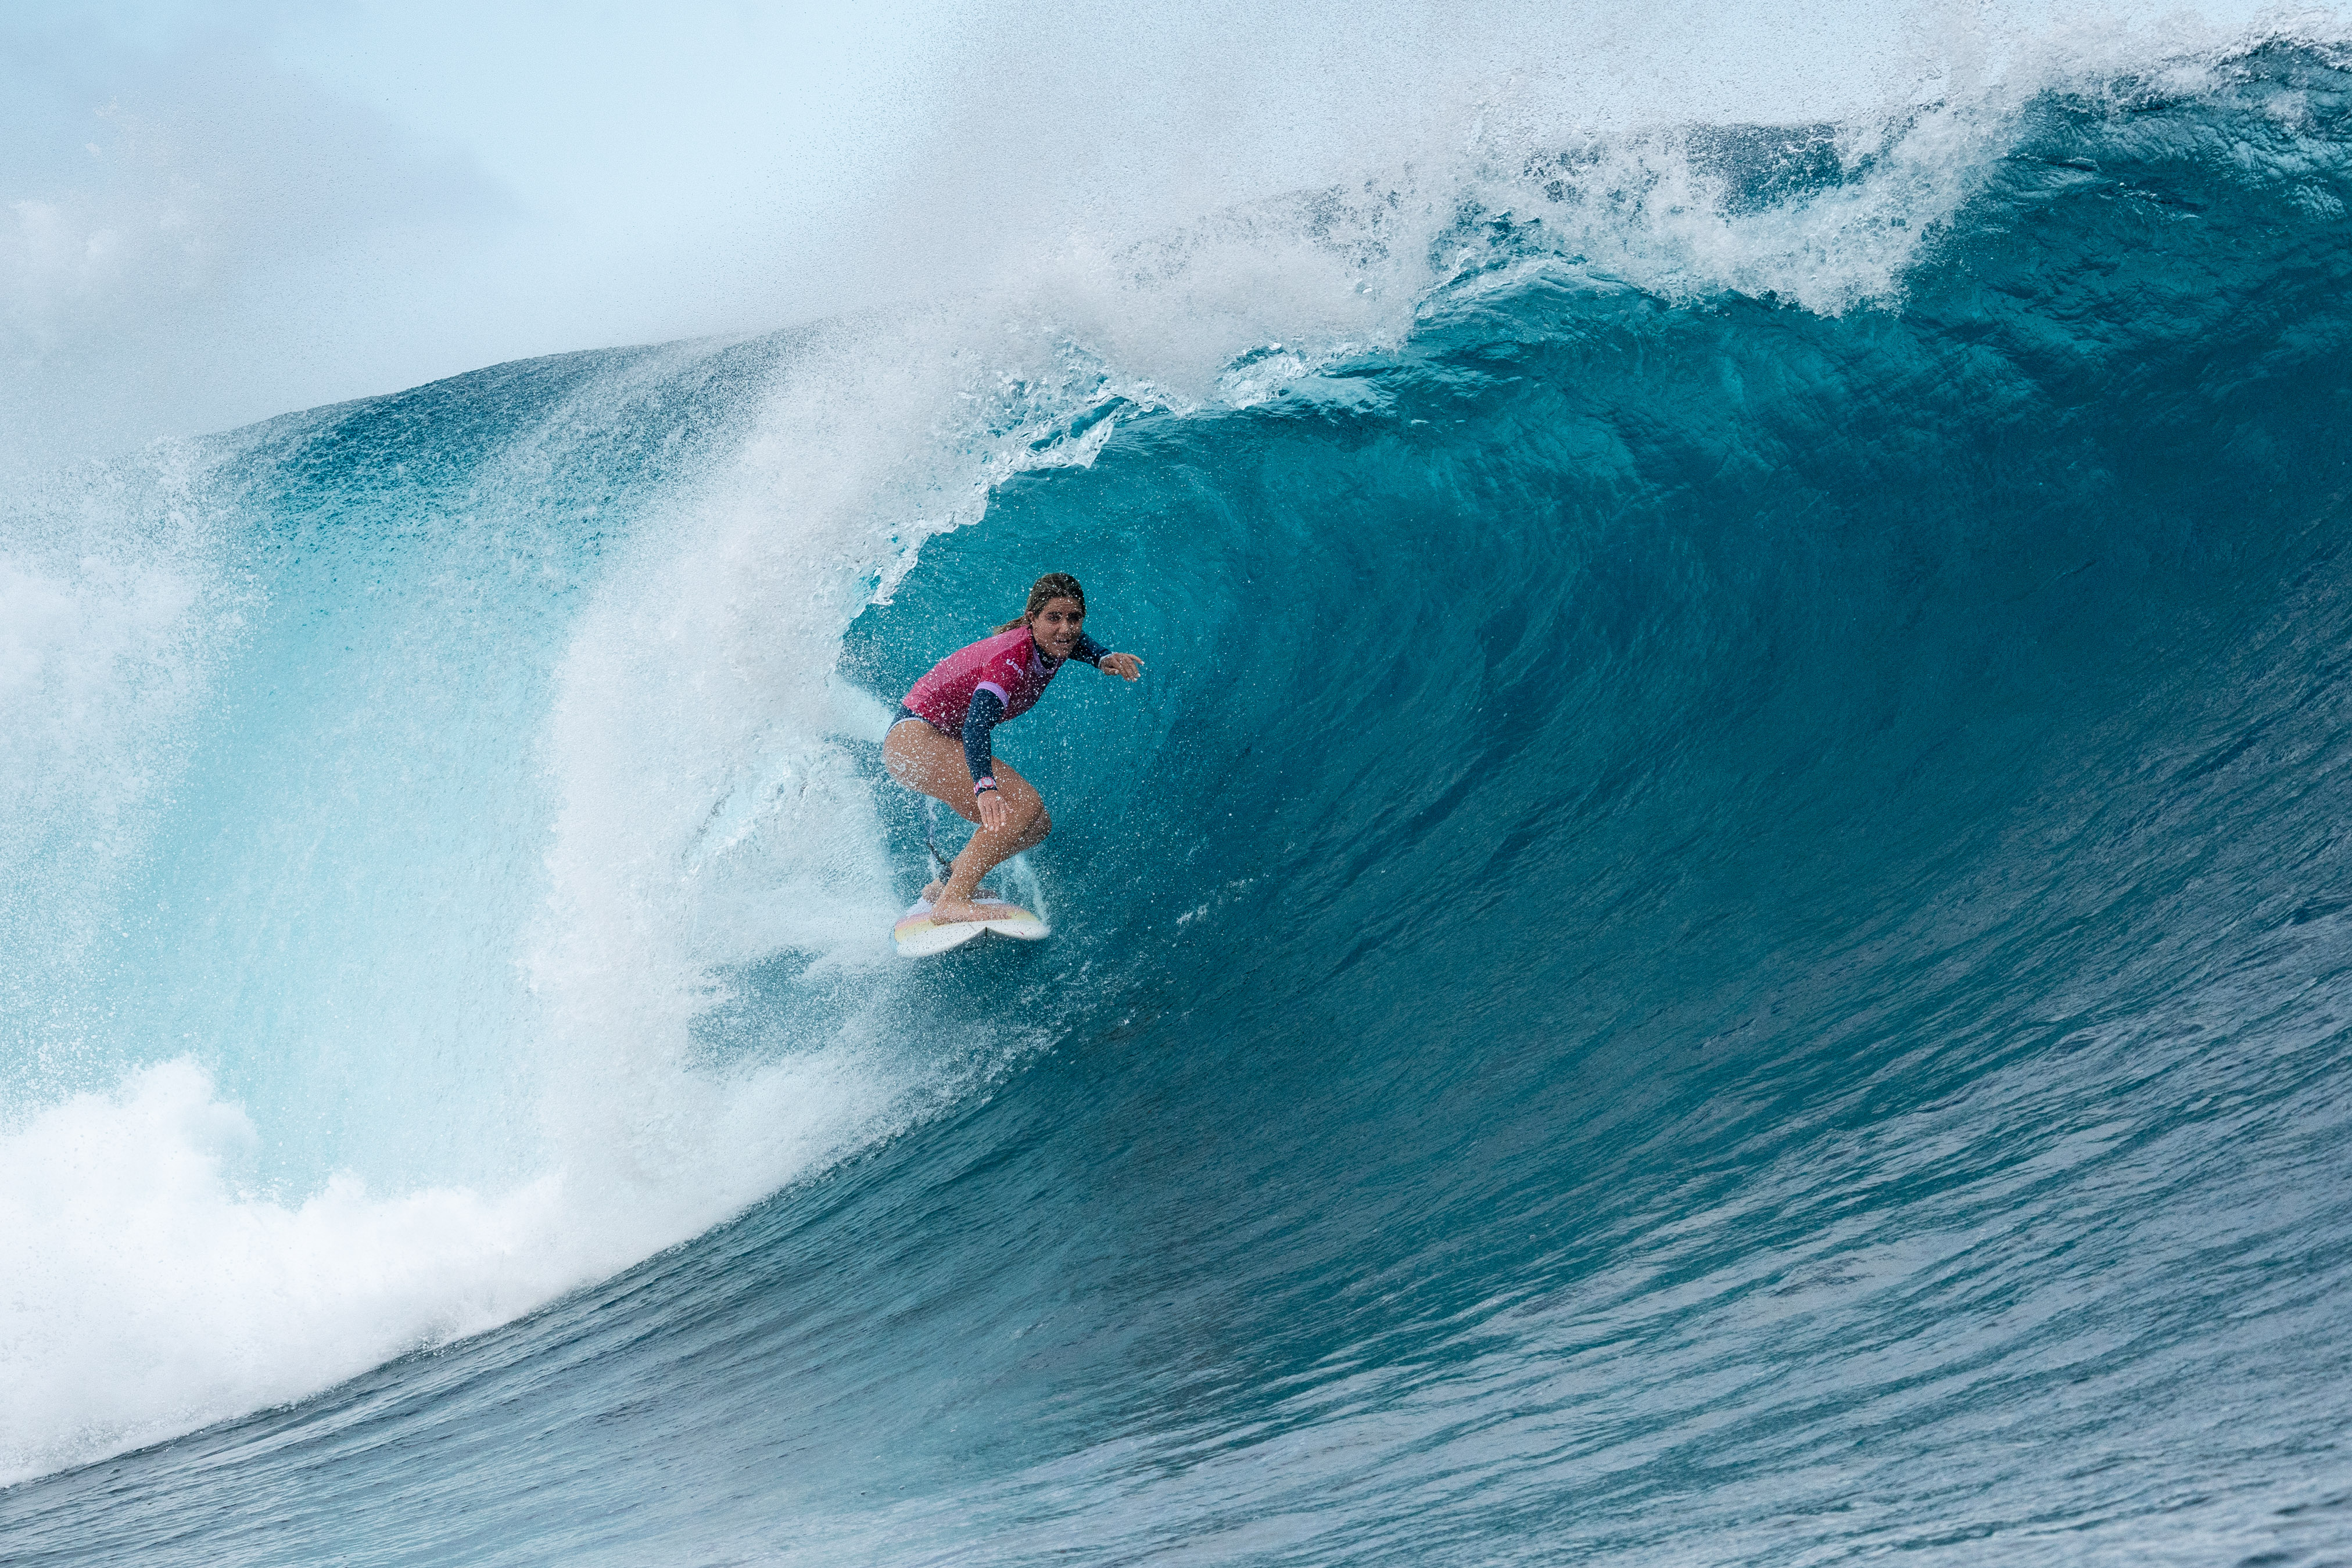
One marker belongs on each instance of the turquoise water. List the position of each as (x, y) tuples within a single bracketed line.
[(1720, 934)]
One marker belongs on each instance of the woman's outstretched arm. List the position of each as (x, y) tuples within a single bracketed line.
[(1126, 667)]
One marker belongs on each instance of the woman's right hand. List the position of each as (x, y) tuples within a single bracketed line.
[(992, 810)]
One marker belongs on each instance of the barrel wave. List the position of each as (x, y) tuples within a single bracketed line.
[(1721, 933)]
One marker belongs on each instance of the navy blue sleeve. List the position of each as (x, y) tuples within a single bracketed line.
[(1088, 650), (986, 709)]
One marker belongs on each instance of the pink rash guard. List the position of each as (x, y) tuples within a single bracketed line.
[(974, 689), (1008, 665)]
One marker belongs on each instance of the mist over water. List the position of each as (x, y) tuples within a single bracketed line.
[(1715, 938), (214, 214)]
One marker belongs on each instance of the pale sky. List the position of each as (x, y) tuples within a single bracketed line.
[(213, 213)]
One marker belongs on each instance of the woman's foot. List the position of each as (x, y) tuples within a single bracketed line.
[(935, 891), (948, 910)]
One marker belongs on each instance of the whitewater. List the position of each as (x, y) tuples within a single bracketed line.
[(1720, 934)]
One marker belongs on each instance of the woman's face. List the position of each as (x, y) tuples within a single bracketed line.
[(1056, 626)]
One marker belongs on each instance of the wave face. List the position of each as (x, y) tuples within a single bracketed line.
[(1721, 934)]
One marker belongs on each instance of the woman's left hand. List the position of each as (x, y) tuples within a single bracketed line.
[(1126, 667)]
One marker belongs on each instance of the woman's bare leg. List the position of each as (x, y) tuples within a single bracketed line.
[(922, 759)]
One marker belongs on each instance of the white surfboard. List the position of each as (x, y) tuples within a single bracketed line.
[(920, 936)]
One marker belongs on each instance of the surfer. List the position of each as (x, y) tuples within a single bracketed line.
[(940, 743)]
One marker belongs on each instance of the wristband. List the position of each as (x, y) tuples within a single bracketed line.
[(985, 783)]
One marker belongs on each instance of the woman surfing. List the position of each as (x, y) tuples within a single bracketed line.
[(940, 743)]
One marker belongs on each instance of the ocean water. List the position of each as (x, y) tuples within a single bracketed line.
[(1721, 933)]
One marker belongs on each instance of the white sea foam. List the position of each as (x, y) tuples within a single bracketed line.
[(149, 1291), (151, 1288)]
